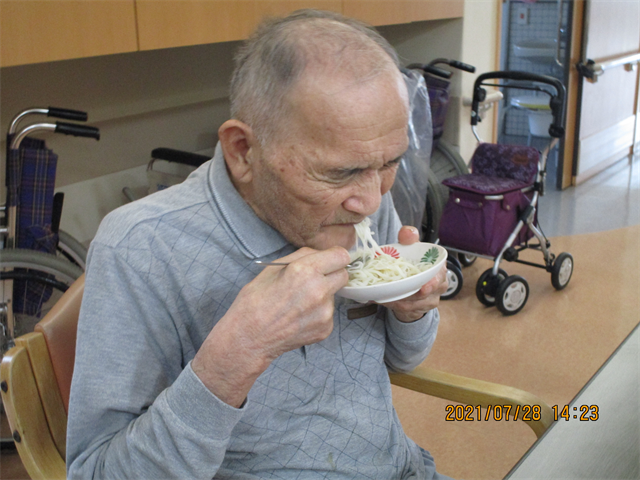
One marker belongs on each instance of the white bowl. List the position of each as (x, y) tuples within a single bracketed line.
[(399, 289)]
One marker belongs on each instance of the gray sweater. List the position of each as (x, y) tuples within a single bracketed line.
[(161, 272)]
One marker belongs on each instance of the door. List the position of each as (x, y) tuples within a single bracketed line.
[(607, 102)]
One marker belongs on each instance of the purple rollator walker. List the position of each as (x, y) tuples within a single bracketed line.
[(492, 211)]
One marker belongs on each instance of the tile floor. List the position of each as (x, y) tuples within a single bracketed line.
[(607, 201), (576, 331)]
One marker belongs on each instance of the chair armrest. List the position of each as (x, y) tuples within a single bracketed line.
[(26, 417), (470, 391)]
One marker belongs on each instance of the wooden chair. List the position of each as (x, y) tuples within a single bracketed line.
[(36, 378), (35, 382)]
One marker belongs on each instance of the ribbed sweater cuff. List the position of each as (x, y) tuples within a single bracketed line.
[(200, 409)]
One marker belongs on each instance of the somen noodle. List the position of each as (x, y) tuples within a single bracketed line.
[(373, 266)]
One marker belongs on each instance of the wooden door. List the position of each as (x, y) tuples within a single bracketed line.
[(608, 103), (44, 31)]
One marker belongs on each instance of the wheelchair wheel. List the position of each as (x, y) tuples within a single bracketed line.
[(31, 283), (487, 286), (454, 277), (72, 249), (512, 295), (561, 270), (446, 162), (433, 210)]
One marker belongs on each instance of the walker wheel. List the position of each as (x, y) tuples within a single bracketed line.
[(466, 260), (487, 286), (561, 270), (512, 295), (453, 258), (454, 277)]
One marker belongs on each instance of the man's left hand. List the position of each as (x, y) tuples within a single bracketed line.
[(427, 298)]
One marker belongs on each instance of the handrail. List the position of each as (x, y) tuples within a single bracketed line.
[(629, 59), (592, 70)]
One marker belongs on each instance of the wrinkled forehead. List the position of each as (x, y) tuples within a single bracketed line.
[(353, 125), (337, 102)]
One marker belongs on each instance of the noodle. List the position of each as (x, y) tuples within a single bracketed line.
[(373, 266)]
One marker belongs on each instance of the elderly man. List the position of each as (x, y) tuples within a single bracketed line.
[(193, 362)]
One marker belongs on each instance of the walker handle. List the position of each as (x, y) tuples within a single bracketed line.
[(556, 103)]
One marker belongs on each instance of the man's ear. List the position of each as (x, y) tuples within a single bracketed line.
[(238, 145)]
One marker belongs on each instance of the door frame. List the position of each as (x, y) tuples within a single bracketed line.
[(574, 94)]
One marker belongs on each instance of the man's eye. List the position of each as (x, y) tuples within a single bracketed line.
[(393, 163), (347, 173)]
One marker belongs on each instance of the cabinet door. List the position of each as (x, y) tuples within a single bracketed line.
[(389, 12), (284, 7), (435, 9), (178, 23), (175, 23), (40, 31)]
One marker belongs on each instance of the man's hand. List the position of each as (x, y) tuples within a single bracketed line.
[(282, 309), (427, 298)]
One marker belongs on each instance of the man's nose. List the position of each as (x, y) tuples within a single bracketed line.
[(366, 196)]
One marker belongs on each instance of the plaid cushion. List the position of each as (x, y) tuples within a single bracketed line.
[(32, 172), (35, 198)]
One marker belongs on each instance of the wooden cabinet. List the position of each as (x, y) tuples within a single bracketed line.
[(33, 31), (389, 12), (175, 23)]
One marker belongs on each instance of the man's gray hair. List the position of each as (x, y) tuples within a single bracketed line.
[(275, 56)]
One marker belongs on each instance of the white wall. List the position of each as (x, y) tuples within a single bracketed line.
[(480, 33)]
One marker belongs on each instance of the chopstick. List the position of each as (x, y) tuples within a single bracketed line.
[(269, 264)]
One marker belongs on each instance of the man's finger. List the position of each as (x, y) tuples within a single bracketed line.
[(408, 235)]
